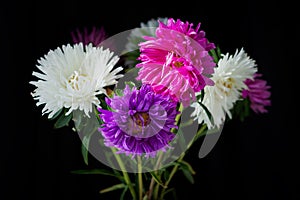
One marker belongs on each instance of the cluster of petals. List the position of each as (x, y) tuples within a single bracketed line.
[(176, 62)]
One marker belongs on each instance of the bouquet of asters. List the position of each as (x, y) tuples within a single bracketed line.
[(140, 99)]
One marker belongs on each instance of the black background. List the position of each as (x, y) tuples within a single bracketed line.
[(252, 160)]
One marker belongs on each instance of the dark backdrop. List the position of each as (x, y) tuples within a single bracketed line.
[(252, 160)]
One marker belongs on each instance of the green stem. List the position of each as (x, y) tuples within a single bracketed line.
[(175, 168), (140, 178), (155, 194), (178, 116), (151, 188), (125, 174), (155, 171), (160, 159)]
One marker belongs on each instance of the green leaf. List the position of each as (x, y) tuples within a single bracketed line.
[(241, 109), (98, 171), (209, 115), (166, 174), (200, 96), (133, 55), (85, 147), (145, 197), (63, 120), (157, 179), (114, 187), (130, 84), (123, 193), (187, 170), (219, 53), (187, 166), (119, 92), (181, 140), (56, 114), (97, 114), (187, 123), (202, 130), (188, 175), (214, 55), (206, 110), (86, 127), (93, 171)]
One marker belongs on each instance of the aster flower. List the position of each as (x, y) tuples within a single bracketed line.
[(229, 78), (95, 36), (174, 63), (139, 122), (72, 76), (258, 94)]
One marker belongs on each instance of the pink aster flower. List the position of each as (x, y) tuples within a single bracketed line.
[(257, 93), (95, 36), (176, 62)]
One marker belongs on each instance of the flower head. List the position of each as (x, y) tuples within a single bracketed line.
[(258, 93), (229, 78), (139, 122), (174, 63), (95, 36), (72, 77)]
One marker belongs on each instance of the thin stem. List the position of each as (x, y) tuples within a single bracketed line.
[(178, 116), (140, 178), (175, 168), (174, 171), (161, 156), (156, 191), (152, 179), (125, 174), (151, 188)]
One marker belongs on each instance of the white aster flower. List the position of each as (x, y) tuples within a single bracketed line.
[(72, 76), (145, 29), (229, 77)]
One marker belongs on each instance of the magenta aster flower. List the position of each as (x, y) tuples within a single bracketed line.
[(176, 62), (139, 122), (257, 93), (95, 36)]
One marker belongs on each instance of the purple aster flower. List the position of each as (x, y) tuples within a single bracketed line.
[(95, 36), (139, 122), (176, 62), (257, 93)]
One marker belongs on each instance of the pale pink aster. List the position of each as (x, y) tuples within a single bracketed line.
[(258, 93), (175, 63)]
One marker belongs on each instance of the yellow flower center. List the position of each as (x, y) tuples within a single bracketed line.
[(178, 64), (76, 79), (226, 86), (139, 121)]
